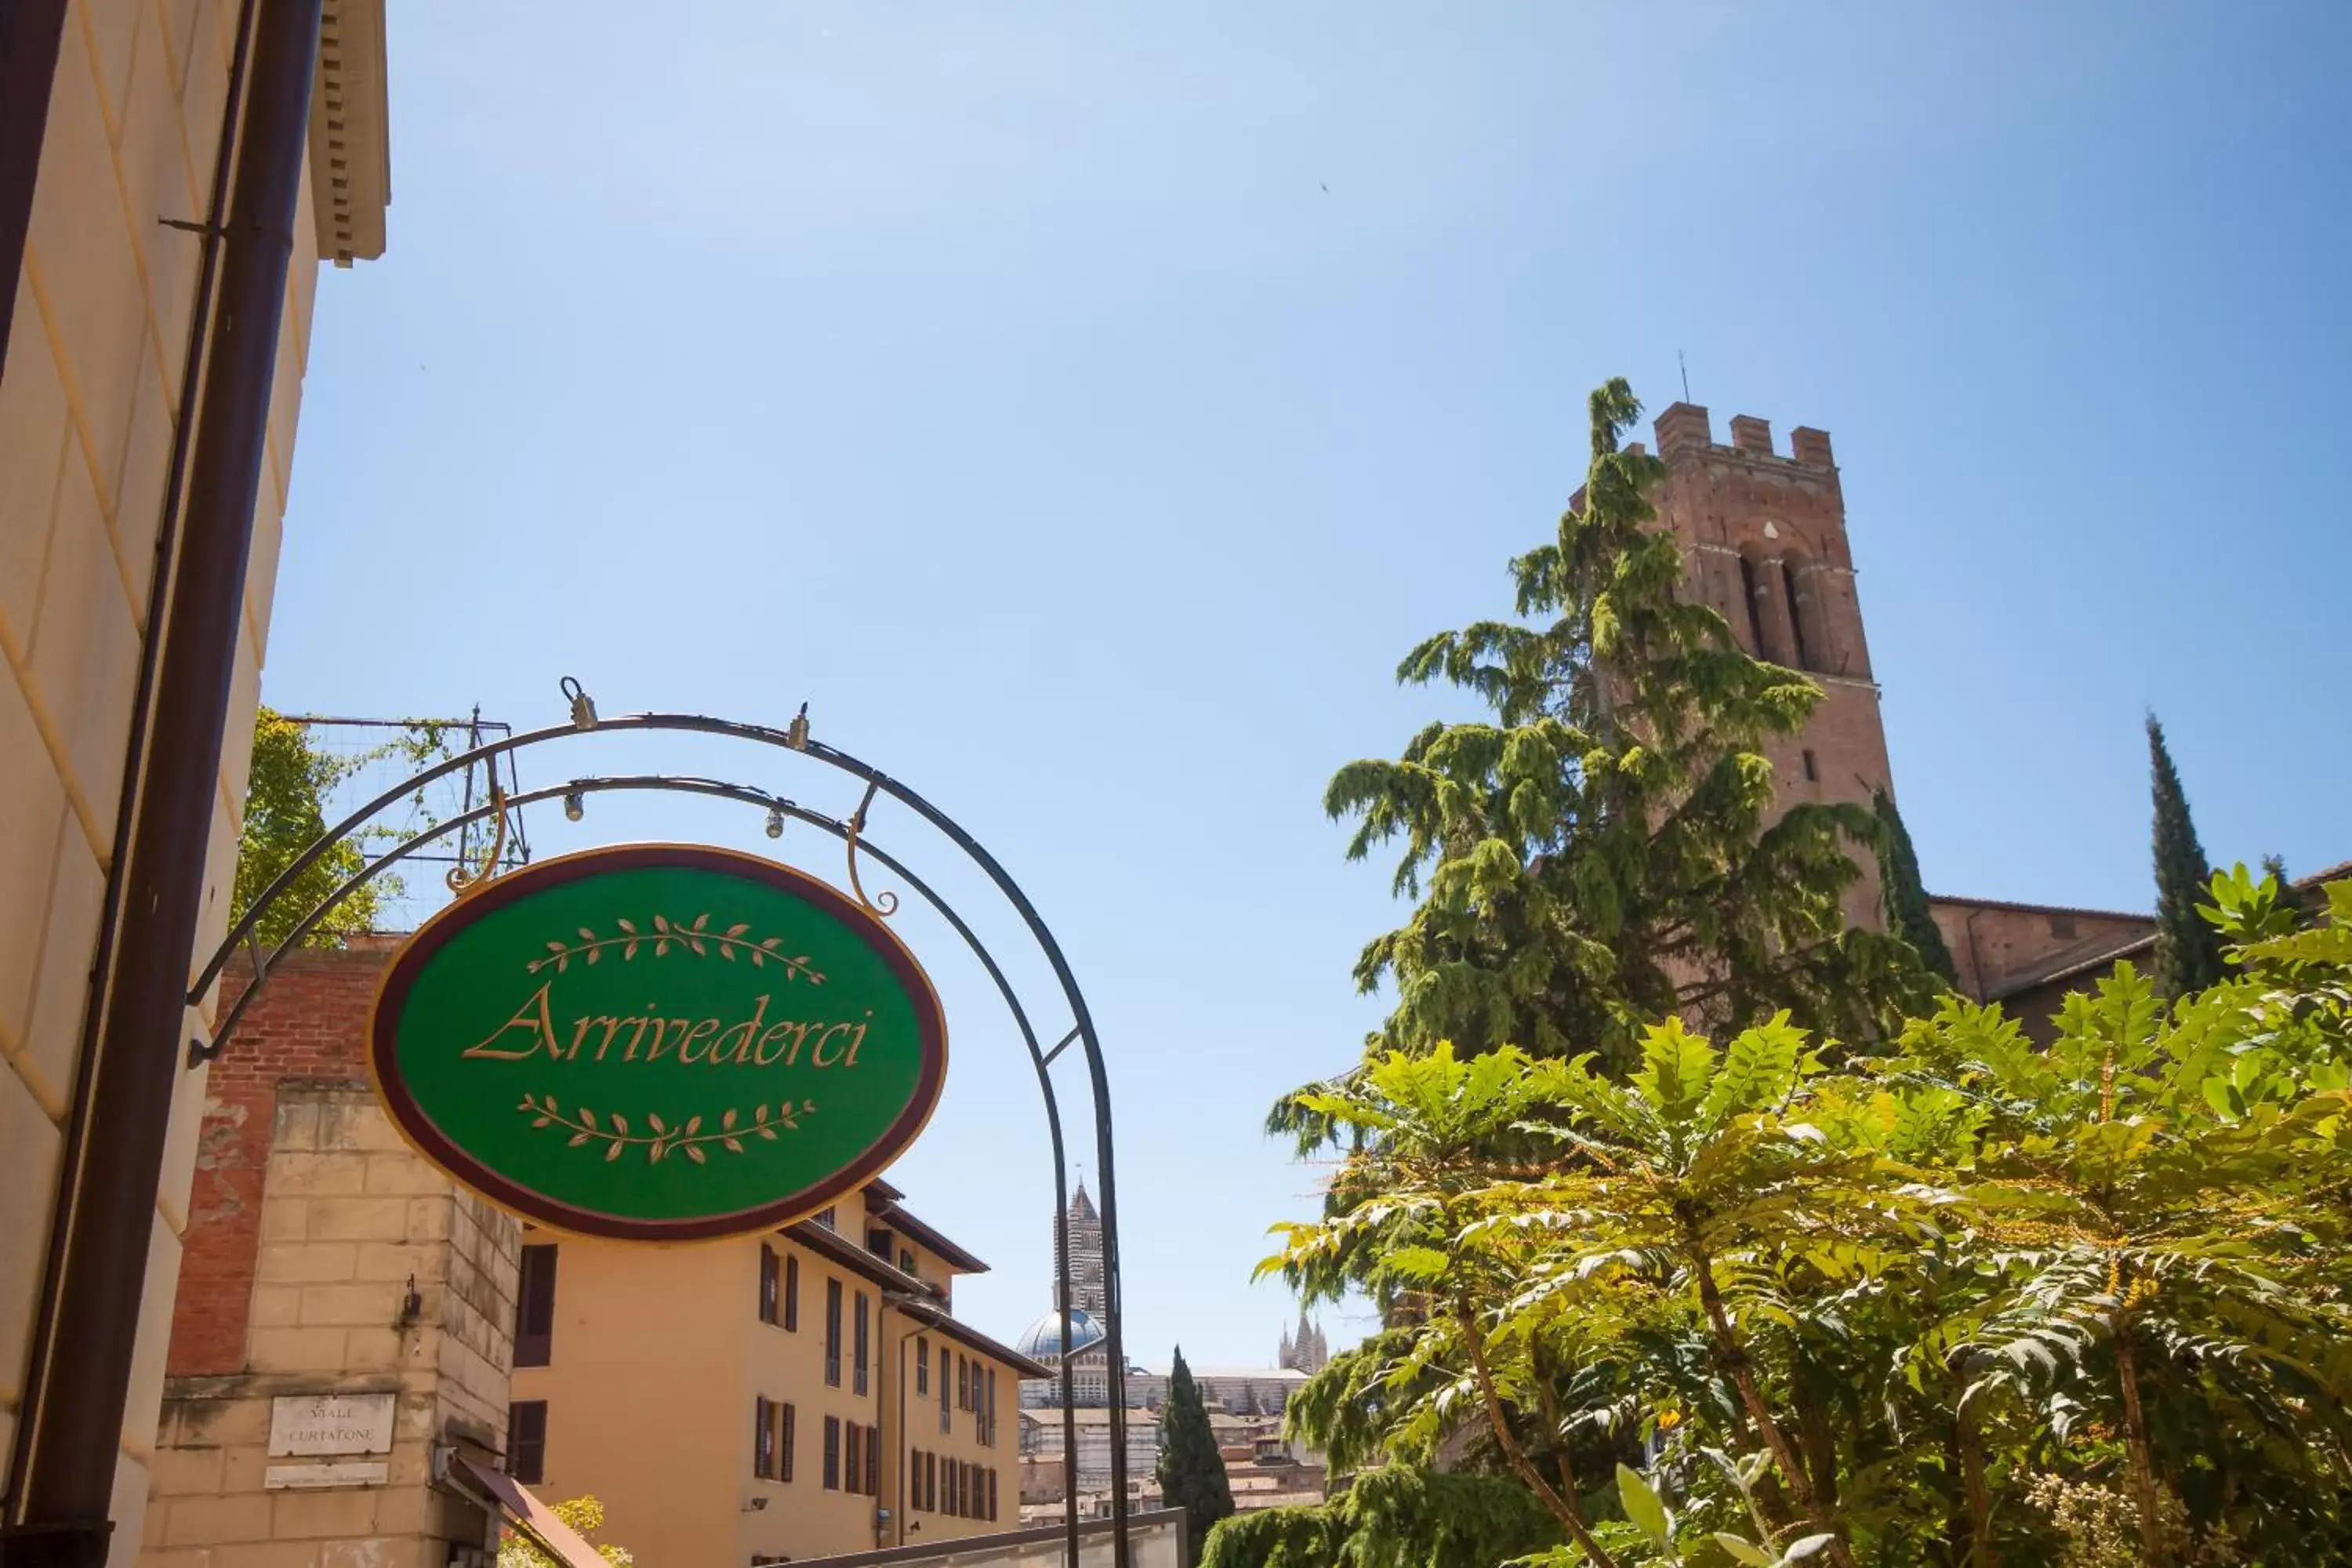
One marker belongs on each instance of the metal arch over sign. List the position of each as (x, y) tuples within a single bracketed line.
[(657, 1042)]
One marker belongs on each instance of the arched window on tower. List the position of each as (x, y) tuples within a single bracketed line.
[(1803, 640), (1751, 588), (1809, 625)]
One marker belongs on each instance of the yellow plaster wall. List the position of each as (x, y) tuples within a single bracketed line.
[(670, 1340), (647, 1404), (87, 400)]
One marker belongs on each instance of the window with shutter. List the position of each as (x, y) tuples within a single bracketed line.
[(874, 1461), (527, 1440), (534, 1332), (853, 1468), (764, 1440), (863, 1348), (784, 1416), (768, 1283), (832, 1453), (832, 1333), (922, 1364)]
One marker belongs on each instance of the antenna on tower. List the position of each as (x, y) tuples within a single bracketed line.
[(1686, 370)]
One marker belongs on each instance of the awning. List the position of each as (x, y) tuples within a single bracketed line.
[(526, 1513)]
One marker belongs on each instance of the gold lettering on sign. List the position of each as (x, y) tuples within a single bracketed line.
[(534, 1016), (779, 1032), (648, 1037), (816, 1052), (702, 1031), (747, 1029)]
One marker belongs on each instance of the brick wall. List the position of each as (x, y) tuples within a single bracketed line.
[(307, 1024), (1764, 542), (2000, 948)]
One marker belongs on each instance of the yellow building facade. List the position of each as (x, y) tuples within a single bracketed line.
[(806, 1393), (104, 298)]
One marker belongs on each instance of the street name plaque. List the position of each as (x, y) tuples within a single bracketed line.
[(657, 1042), (309, 1424)]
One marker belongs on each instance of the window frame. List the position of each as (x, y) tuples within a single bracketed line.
[(535, 1301), (530, 1413), (861, 1379), (832, 1332)]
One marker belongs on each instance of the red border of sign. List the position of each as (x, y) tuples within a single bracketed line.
[(429, 1142)]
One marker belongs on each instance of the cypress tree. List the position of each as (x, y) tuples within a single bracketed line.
[(2187, 948), (1905, 896), (1191, 1471), (2298, 910)]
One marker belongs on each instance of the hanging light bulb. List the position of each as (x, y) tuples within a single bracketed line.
[(575, 804), (775, 822)]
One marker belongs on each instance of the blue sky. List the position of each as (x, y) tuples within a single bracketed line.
[(1083, 408)]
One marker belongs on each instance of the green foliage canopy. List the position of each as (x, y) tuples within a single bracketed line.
[(289, 782), (1872, 1306), (1904, 894)]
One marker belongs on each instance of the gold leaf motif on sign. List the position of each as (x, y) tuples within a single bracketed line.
[(662, 1139), (688, 936)]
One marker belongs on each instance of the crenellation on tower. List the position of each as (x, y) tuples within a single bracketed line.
[(1811, 448), (1681, 426), (1750, 434)]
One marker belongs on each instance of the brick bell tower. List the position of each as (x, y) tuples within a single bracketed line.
[(1764, 542)]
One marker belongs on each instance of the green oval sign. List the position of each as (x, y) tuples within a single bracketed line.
[(657, 1042)]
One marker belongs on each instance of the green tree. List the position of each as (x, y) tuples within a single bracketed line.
[(1969, 1302), (1398, 1515), (1191, 1471), (1597, 854), (1905, 895), (582, 1515), (2188, 950), (284, 812)]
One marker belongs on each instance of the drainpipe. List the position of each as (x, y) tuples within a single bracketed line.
[(886, 1516), (902, 1454), (132, 1033)]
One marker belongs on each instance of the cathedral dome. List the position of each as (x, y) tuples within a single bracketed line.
[(1042, 1341)]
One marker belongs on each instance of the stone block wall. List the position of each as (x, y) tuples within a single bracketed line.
[(324, 1256)]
